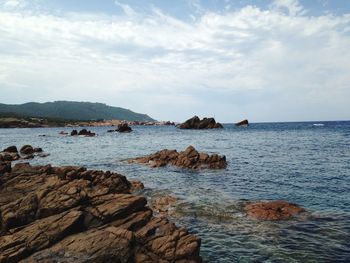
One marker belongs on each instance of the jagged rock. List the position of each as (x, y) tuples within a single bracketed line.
[(11, 149), (190, 158), (26, 150), (124, 127), (38, 235), (110, 244), (74, 133), (273, 210), (71, 214), (196, 123), (242, 123)]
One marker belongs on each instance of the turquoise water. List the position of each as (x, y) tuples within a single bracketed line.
[(300, 162)]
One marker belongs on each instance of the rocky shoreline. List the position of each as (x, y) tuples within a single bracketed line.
[(71, 214)]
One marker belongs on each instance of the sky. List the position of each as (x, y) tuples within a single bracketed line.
[(262, 60)]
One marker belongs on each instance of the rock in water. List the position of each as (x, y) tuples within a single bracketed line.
[(190, 158), (85, 132), (26, 150), (242, 123), (124, 127), (11, 149), (71, 214), (196, 123), (273, 210)]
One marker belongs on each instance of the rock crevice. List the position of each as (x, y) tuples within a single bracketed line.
[(71, 214)]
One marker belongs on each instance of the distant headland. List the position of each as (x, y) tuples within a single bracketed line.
[(62, 113)]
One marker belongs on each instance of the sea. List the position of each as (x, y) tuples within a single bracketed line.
[(307, 163)]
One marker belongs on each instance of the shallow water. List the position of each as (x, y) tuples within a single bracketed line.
[(299, 162)]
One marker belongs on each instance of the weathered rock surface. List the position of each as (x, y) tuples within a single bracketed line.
[(196, 123), (124, 127), (242, 123), (70, 214), (273, 210), (190, 158)]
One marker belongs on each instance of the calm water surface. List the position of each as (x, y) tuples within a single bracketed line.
[(301, 162)]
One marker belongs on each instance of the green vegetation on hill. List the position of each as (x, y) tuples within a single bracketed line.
[(71, 110)]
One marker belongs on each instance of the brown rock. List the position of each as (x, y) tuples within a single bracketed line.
[(27, 150), (123, 127), (242, 123), (11, 149), (273, 210), (110, 244), (196, 123), (190, 158), (71, 214), (39, 235)]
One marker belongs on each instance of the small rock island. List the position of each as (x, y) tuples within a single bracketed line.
[(196, 123)]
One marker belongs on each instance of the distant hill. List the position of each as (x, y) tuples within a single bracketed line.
[(71, 110)]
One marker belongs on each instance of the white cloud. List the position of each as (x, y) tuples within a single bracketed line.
[(259, 61)]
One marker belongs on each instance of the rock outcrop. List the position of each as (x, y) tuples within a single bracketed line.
[(124, 127), (71, 214), (83, 132), (190, 158), (242, 123), (273, 210), (196, 123), (11, 154)]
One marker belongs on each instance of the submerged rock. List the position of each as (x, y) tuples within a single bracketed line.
[(71, 214), (196, 123), (273, 210), (163, 204), (190, 158), (242, 123), (136, 186)]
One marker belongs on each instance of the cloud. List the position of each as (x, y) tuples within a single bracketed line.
[(252, 62), (293, 6)]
